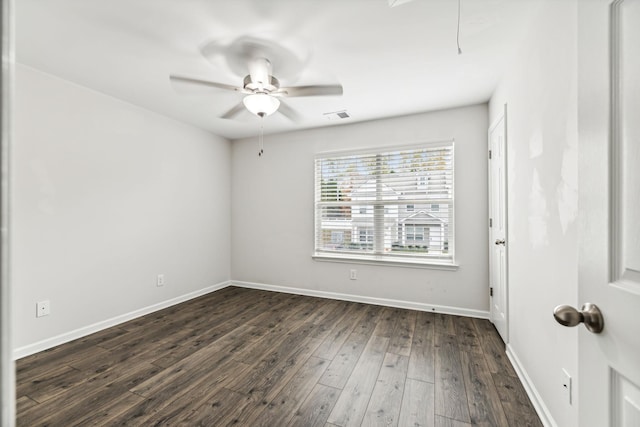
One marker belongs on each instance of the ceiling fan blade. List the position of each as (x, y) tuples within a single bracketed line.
[(234, 111), (199, 82), (287, 56), (314, 90), (289, 112)]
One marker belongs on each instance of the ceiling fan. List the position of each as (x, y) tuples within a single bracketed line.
[(263, 93)]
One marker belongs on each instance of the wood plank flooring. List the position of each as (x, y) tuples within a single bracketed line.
[(253, 358)]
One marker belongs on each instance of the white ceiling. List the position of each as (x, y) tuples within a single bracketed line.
[(390, 61)]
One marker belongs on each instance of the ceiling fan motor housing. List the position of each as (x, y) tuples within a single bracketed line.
[(272, 85)]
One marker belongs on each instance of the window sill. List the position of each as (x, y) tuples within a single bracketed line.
[(378, 260)]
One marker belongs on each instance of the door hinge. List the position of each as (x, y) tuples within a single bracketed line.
[(490, 292), (490, 222), (489, 154)]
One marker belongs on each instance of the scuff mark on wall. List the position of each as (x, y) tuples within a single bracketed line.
[(538, 214), (567, 191), (535, 144), (47, 190)]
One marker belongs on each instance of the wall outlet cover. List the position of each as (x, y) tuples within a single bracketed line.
[(43, 308)]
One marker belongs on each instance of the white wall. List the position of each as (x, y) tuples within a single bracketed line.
[(272, 205), (105, 196), (541, 92)]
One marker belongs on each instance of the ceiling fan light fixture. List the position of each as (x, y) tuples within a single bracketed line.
[(261, 104)]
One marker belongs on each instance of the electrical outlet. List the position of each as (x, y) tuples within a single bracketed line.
[(160, 280), (566, 386), (353, 274), (43, 308)]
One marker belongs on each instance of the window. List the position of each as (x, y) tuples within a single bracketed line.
[(366, 235), (379, 184), (422, 182), (414, 233)]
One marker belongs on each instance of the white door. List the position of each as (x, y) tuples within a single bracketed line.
[(498, 225), (609, 182)]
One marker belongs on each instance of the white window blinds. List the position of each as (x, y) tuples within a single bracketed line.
[(394, 204)]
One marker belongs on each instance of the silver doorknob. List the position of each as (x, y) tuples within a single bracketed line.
[(500, 242), (590, 315)]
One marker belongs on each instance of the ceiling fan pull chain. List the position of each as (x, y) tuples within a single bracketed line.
[(261, 137), (458, 31)]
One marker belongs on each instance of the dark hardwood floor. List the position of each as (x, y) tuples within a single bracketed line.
[(254, 358)]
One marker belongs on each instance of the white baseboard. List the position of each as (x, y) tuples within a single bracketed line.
[(367, 300), (532, 392), (90, 329), (87, 330)]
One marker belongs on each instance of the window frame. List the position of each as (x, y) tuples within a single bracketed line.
[(435, 262)]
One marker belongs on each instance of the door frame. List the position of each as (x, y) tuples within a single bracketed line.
[(501, 117), (7, 365)]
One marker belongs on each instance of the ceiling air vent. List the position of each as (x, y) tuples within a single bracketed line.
[(337, 115)]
